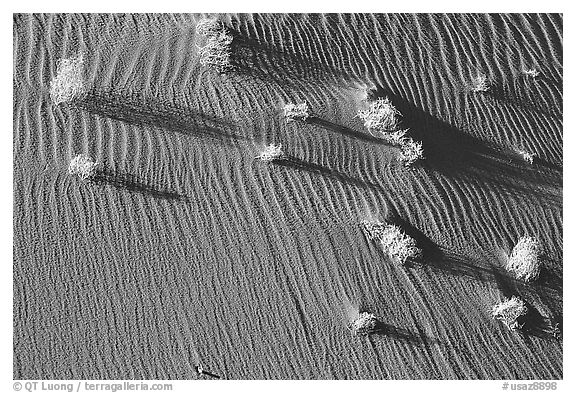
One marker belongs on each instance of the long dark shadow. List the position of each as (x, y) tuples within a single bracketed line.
[(498, 94), (345, 130), (454, 153), (547, 288), (442, 259), (254, 57), (297, 163), (144, 111), (402, 334), (133, 183)]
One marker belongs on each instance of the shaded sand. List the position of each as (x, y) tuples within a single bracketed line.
[(195, 252)]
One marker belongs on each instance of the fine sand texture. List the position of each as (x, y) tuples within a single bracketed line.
[(194, 252)]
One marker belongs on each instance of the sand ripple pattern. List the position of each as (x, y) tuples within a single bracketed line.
[(207, 255)]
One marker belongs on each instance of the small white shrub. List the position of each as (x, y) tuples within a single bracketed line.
[(380, 116), (365, 324), (396, 138), (480, 83), (509, 311), (397, 245), (217, 51), (68, 84), (82, 166), (528, 157), (270, 153), (410, 151), (294, 112), (524, 261), (532, 72), (209, 26)]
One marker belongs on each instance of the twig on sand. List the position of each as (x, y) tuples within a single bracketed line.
[(201, 371)]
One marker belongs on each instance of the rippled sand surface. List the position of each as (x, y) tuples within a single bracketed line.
[(255, 269)]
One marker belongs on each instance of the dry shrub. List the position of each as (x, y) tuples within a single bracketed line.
[(271, 153), (480, 83), (410, 151), (509, 311), (396, 138), (83, 166), (381, 116), (68, 84), (524, 261), (532, 72), (294, 112), (528, 157), (396, 244), (217, 52), (209, 26), (365, 324)]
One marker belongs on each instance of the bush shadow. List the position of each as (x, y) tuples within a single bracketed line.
[(537, 325), (143, 111), (133, 183), (419, 339), (442, 259), (405, 335), (498, 94), (333, 127), (546, 288), (299, 164), (253, 57), (456, 154)]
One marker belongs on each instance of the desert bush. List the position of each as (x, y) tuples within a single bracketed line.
[(532, 72), (68, 84), (209, 26), (528, 157), (83, 166), (365, 324), (294, 112), (524, 261), (380, 116), (397, 245), (271, 153), (509, 311), (480, 83), (217, 52), (396, 138), (410, 151)]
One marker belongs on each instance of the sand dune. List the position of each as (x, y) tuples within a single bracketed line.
[(255, 269)]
